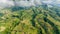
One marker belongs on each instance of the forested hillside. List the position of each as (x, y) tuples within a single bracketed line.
[(32, 20)]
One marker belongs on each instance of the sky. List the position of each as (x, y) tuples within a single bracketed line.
[(26, 3)]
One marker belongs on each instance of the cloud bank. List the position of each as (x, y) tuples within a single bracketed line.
[(25, 3)]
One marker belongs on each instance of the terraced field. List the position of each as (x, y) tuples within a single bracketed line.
[(34, 20)]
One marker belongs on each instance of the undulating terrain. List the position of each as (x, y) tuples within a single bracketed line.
[(32, 20)]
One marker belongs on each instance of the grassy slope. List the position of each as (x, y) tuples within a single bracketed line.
[(30, 21)]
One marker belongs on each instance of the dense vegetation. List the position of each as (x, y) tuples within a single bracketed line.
[(33, 20)]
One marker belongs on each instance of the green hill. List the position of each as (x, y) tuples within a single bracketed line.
[(33, 20)]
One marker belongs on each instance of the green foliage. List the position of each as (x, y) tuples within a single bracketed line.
[(34, 20)]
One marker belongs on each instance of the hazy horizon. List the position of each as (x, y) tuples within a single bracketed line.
[(8, 3)]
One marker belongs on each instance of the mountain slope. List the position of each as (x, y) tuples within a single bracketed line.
[(34, 20)]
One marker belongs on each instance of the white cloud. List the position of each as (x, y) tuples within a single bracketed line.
[(57, 1), (47, 2), (21, 3), (3, 1), (6, 3), (27, 3)]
